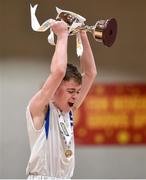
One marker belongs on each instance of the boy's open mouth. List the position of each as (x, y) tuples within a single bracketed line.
[(70, 104)]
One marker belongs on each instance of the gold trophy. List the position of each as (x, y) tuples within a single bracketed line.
[(104, 31)]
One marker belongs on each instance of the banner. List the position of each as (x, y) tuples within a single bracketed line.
[(112, 114)]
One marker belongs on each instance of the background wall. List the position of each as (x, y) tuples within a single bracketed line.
[(24, 64)]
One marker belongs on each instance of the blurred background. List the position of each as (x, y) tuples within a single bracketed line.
[(25, 57)]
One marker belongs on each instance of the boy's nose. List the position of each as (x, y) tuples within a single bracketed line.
[(74, 96)]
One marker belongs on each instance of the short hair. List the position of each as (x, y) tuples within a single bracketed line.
[(72, 73)]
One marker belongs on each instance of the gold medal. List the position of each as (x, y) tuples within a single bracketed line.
[(68, 153)]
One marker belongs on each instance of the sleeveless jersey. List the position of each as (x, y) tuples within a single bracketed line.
[(47, 154)]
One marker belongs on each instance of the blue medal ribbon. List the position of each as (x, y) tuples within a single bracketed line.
[(71, 118), (47, 122)]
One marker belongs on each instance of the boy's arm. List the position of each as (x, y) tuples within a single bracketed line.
[(88, 67), (58, 68)]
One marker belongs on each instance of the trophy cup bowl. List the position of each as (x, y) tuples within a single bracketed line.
[(66, 17)]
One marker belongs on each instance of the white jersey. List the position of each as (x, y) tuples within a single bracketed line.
[(47, 155)]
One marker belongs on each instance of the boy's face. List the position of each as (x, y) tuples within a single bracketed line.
[(67, 94)]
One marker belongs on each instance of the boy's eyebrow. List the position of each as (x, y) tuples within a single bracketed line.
[(73, 89)]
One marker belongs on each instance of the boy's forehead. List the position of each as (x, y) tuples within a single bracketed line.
[(70, 84)]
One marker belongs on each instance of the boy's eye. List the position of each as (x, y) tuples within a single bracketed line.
[(71, 92)]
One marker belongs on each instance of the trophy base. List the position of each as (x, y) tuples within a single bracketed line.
[(106, 31)]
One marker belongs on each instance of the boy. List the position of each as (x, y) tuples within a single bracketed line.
[(50, 111)]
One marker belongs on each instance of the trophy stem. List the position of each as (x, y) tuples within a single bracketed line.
[(89, 28), (84, 27)]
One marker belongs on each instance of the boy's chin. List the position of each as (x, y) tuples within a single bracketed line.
[(68, 107)]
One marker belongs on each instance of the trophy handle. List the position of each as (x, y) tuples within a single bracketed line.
[(105, 31)]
